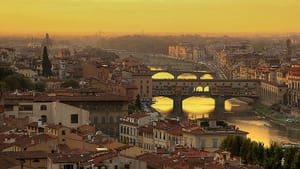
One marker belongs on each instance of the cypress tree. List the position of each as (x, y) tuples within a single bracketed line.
[(138, 103), (46, 64)]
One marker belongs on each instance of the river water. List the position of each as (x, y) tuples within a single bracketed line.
[(259, 129)]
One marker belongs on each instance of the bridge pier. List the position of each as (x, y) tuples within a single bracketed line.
[(177, 106), (219, 104)]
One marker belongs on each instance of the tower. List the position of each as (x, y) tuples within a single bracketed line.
[(47, 41)]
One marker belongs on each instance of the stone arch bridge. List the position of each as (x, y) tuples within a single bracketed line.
[(220, 90), (177, 73)]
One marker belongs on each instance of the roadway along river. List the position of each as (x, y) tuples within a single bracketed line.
[(259, 129)]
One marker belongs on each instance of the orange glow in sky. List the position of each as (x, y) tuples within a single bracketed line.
[(194, 16)]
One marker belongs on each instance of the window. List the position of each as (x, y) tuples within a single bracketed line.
[(95, 120), (36, 160), (203, 145), (215, 143), (74, 118), (9, 107), (68, 166), (25, 108), (63, 132), (43, 107), (103, 120), (111, 119)]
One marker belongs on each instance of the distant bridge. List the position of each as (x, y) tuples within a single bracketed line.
[(177, 73), (220, 90)]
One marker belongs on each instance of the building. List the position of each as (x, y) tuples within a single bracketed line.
[(129, 127), (71, 108), (273, 93), (187, 51), (143, 81), (7, 55), (203, 134), (294, 86), (58, 131), (48, 111)]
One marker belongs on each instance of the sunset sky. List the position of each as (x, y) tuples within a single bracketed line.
[(149, 16)]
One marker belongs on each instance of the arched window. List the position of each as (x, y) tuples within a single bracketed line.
[(43, 107)]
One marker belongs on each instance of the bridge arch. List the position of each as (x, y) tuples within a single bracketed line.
[(163, 75), (206, 76), (187, 76)]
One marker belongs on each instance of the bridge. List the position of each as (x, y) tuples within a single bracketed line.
[(177, 73), (220, 90)]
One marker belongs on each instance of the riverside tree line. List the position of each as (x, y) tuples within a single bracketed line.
[(252, 152)]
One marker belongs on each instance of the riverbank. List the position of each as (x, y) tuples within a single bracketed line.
[(282, 119)]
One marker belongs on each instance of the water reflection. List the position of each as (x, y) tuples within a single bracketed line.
[(259, 130), (236, 105), (193, 107), (164, 105), (198, 107), (264, 131)]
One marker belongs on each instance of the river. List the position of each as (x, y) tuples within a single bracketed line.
[(259, 129)]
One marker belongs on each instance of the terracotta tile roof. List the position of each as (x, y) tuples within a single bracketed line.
[(164, 125), (68, 157), (177, 131), (27, 141), (138, 115), (153, 160), (8, 162), (98, 160), (75, 136), (99, 98), (55, 126), (33, 124), (26, 154)]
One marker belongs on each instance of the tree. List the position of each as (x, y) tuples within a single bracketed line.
[(70, 83), (40, 86), (296, 161), (138, 103), (289, 157), (46, 64)]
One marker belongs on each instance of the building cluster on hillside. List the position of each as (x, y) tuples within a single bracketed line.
[(145, 142), (188, 52), (276, 65)]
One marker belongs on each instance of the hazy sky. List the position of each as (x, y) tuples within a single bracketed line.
[(90, 16)]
